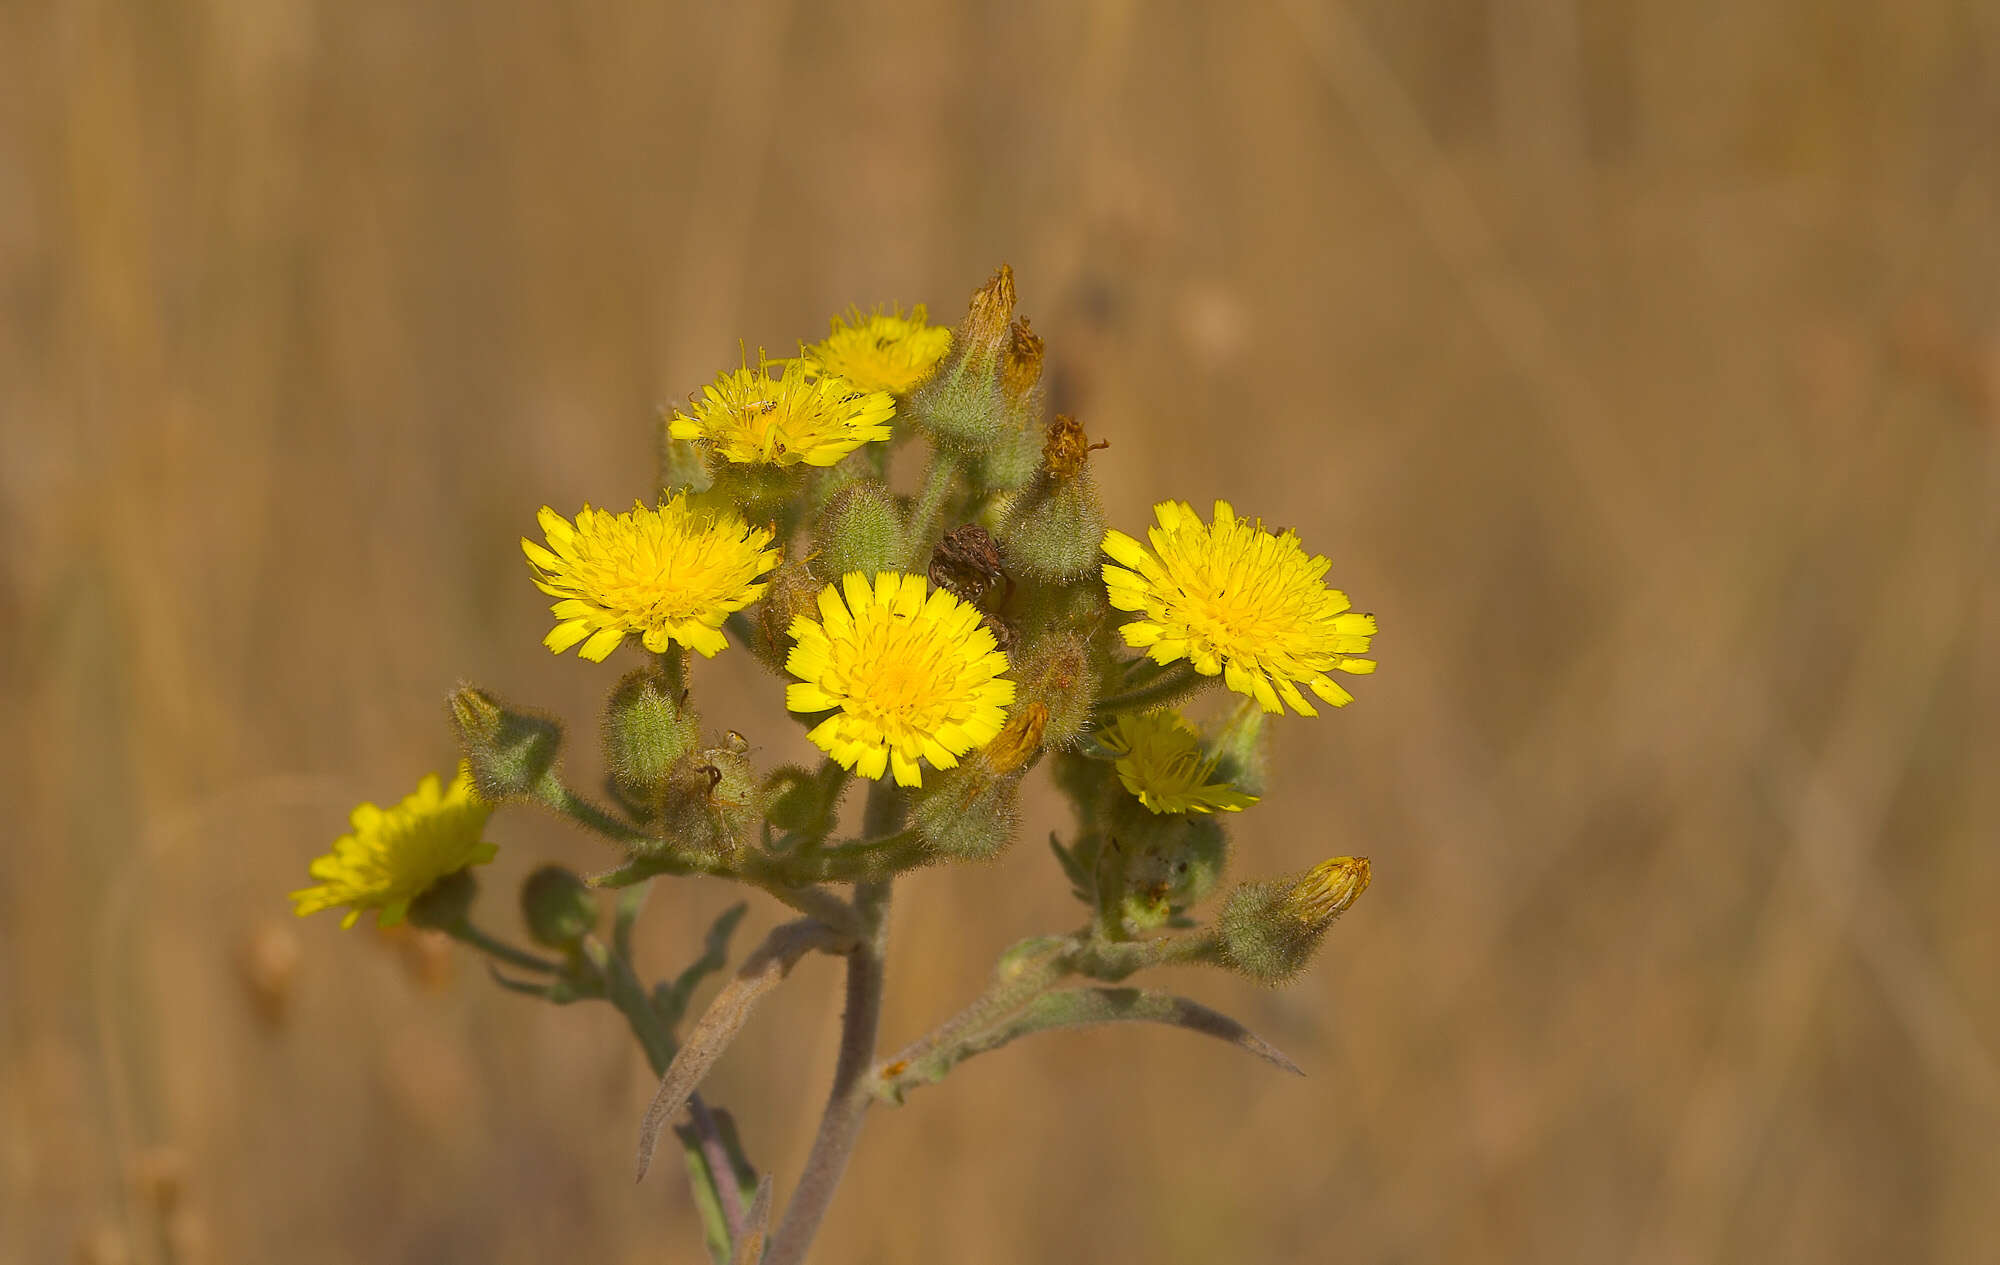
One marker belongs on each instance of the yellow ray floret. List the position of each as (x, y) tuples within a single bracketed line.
[(881, 351), (800, 417), (395, 853), (1161, 762), (1237, 600), (669, 574), (908, 674)]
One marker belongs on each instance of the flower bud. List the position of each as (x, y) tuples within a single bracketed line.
[(1054, 531), (681, 465), (861, 530), (445, 903), (648, 726), (1053, 671), (1271, 930), (557, 907), (962, 406), (509, 752), (793, 591), (969, 814)]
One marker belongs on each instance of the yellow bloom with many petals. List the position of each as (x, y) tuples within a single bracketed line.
[(396, 853), (908, 672), (882, 351), (1233, 598), (800, 417), (669, 574), (1161, 762)]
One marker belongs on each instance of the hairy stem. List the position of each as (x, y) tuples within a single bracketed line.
[(940, 477), (1169, 687), (847, 1104)]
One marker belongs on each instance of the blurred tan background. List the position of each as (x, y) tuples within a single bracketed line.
[(1635, 360)]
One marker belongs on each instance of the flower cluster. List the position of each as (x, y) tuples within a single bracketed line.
[(938, 639)]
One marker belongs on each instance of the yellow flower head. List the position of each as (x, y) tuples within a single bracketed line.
[(395, 853), (802, 415), (1235, 599), (1161, 762), (905, 675), (881, 352), (668, 574)]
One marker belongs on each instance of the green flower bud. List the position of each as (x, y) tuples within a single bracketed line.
[(962, 405), (1054, 672), (1053, 533), (648, 727), (969, 814), (509, 752), (1271, 930), (445, 903), (861, 530), (557, 907)]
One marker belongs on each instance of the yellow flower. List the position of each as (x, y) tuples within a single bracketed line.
[(668, 574), (749, 417), (878, 352), (395, 853), (905, 675), (1235, 599), (1160, 761)]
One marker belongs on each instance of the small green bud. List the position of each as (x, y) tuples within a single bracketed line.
[(1053, 672), (1054, 531), (962, 405), (1271, 930), (648, 726), (557, 907), (970, 814), (444, 904), (861, 530), (509, 752), (800, 801)]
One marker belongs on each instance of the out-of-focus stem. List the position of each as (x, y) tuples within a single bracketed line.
[(853, 1090)]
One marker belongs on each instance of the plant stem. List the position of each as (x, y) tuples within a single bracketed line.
[(847, 1104), (495, 948), (1170, 686), (926, 517)]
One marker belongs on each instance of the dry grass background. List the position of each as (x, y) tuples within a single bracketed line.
[(1635, 360)]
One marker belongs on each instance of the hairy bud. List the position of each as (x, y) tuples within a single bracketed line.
[(1055, 529), (1019, 740), (861, 530), (647, 728), (509, 752), (1021, 365), (1271, 930), (962, 406), (557, 907), (970, 814)]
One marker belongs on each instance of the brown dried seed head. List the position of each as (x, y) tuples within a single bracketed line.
[(1021, 369), (1067, 448), (992, 307)]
